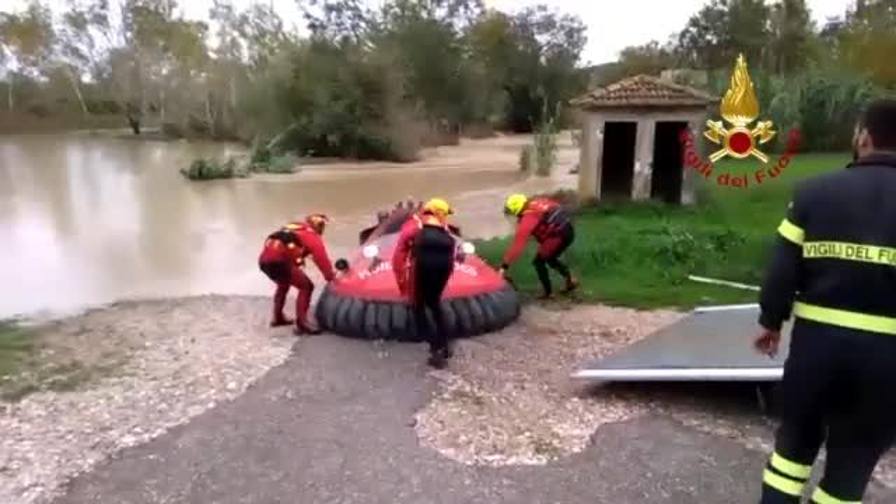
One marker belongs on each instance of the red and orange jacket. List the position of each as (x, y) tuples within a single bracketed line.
[(402, 260), (542, 218), (293, 244)]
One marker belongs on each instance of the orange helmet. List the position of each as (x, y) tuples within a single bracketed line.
[(317, 222)]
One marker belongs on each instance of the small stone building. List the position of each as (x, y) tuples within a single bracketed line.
[(631, 148)]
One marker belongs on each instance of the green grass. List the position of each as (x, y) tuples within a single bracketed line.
[(30, 363), (16, 345), (640, 255)]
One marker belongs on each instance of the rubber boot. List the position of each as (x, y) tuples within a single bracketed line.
[(278, 318), (303, 329), (281, 321), (438, 359), (571, 285)]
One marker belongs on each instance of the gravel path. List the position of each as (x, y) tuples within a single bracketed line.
[(358, 422), (184, 357), (508, 399)]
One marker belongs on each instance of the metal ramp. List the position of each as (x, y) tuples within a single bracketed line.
[(710, 344)]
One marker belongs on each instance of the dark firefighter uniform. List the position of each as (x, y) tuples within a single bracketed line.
[(423, 262), (834, 268), (549, 223), (282, 259)]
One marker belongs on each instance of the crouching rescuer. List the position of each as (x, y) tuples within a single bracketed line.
[(283, 259), (550, 224), (423, 263), (834, 269)]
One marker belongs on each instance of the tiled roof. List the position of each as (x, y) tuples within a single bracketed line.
[(643, 91)]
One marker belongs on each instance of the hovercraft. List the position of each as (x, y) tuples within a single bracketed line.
[(365, 301)]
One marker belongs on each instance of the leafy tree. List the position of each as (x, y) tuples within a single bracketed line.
[(868, 40), (26, 39), (792, 36), (651, 58)]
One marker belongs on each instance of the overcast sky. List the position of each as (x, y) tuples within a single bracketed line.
[(612, 24)]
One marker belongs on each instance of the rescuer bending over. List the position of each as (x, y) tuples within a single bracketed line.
[(423, 263), (283, 259), (549, 223)]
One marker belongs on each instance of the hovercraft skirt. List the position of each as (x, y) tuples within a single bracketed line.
[(394, 320)]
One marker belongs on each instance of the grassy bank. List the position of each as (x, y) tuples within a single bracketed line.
[(640, 255), (32, 361), (17, 348)]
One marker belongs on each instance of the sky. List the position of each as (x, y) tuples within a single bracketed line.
[(612, 24)]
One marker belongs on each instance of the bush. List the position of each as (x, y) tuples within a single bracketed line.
[(276, 164), (208, 169), (335, 100), (172, 130)]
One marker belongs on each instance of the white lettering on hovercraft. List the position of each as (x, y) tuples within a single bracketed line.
[(383, 266), (467, 269), (386, 266)]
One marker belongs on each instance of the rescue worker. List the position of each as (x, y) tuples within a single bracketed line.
[(423, 262), (834, 268), (549, 223), (283, 259)]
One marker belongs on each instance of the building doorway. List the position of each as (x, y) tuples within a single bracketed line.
[(618, 166), (668, 162)]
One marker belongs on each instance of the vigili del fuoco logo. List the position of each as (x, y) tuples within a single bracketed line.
[(737, 139)]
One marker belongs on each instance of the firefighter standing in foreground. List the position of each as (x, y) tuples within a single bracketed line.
[(282, 260), (549, 223), (423, 262), (834, 268)]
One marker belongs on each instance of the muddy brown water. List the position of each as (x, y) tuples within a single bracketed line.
[(87, 220)]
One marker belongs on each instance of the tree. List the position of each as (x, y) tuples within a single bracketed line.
[(868, 40), (263, 34), (748, 32), (703, 41), (339, 21), (532, 57), (792, 36), (425, 37), (79, 46), (651, 58), (721, 30), (27, 39)]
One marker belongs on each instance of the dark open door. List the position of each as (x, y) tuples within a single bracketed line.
[(668, 169), (618, 167)]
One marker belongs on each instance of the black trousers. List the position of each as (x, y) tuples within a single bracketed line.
[(839, 389), (433, 265), (549, 255)]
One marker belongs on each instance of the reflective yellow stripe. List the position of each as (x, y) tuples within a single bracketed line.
[(843, 318), (782, 484), (790, 468), (792, 232), (822, 497), (851, 252)]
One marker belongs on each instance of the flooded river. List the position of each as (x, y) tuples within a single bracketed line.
[(90, 220)]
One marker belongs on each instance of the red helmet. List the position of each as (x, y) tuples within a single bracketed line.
[(317, 222)]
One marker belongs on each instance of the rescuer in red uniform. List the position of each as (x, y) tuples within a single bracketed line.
[(283, 259), (549, 223), (422, 263)]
